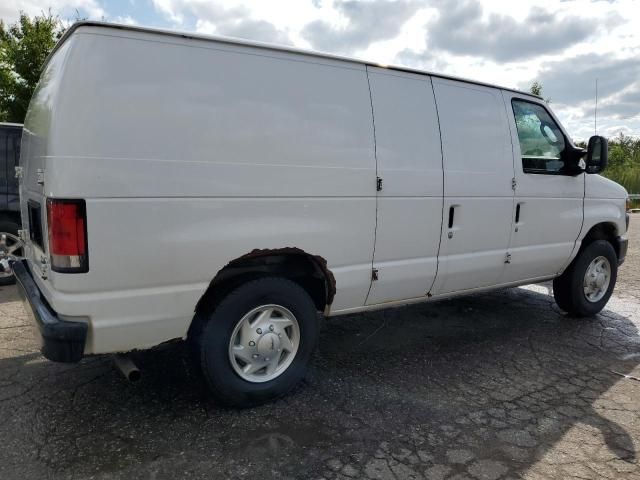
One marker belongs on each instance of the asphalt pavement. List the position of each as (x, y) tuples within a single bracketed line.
[(498, 385)]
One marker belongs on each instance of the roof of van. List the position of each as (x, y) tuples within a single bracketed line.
[(269, 46)]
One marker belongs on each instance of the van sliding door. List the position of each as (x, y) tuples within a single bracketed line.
[(478, 194), (409, 200)]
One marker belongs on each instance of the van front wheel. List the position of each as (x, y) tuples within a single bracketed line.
[(256, 345), (587, 284)]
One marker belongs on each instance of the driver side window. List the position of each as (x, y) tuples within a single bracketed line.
[(541, 141)]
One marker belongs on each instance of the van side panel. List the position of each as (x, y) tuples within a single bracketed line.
[(478, 197), (191, 154), (409, 160)]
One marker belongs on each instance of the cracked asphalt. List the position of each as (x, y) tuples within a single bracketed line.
[(499, 385)]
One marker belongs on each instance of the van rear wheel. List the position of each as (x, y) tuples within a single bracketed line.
[(256, 345), (587, 284)]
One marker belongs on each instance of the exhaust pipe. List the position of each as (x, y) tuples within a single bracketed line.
[(127, 367)]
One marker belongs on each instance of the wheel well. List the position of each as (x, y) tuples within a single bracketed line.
[(308, 271), (602, 231)]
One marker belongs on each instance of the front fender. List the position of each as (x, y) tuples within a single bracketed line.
[(609, 212)]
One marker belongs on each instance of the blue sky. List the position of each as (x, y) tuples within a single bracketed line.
[(566, 45), (142, 11)]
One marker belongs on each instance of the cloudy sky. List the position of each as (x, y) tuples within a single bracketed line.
[(566, 45)]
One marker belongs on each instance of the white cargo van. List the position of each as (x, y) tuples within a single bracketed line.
[(225, 192)]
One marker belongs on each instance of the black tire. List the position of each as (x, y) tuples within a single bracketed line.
[(226, 386), (7, 226), (568, 288)]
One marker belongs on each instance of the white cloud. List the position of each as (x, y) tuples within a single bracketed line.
[(172, 9), (565, 45), (462, 28), (363, 23), (236, 20), (126, 20)]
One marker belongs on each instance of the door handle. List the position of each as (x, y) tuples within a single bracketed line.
[(450, 222), (518, 213)]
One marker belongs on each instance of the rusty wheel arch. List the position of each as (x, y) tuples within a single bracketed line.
[(290, 262)]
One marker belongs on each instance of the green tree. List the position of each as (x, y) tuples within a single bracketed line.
[(624, 162), (24, 46), (536, 88)]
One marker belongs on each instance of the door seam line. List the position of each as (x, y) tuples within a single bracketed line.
[(375, 156), (435, 102)]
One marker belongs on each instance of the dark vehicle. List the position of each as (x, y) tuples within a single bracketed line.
[(10, 243)]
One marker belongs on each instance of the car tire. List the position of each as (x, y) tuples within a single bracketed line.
[(574, 290), (10, 228), (233, 327)]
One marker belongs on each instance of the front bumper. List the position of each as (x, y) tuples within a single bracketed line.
[(60, 340), (623, 244)]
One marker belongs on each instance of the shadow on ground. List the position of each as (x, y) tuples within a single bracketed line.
[(485, 386)]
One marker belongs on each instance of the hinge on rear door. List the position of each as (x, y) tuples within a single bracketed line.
[(507, 258), (44, 267), (374, 274), (40, 176), (514, 183), (18, 172), (378, 183)]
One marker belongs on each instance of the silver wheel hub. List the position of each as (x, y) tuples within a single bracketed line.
[(268, 345), (264, 343), (9, 246), (597, 279)]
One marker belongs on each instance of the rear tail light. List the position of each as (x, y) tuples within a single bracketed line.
[(67, 222)]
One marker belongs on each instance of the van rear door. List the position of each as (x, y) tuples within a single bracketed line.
[(33, 202), (35, 148)]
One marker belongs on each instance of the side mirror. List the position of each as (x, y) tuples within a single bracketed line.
[(597, 154)]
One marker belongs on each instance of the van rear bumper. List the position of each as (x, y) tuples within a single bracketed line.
[(60, 340)]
